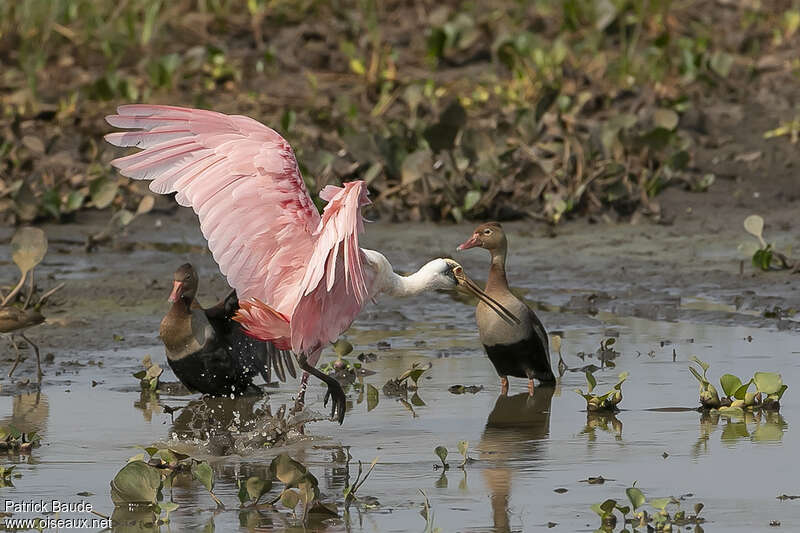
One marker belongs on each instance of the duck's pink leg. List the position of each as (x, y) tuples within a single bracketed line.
[(503, 385)]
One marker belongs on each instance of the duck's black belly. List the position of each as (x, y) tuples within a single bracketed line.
[(220, 370), (524, 359)]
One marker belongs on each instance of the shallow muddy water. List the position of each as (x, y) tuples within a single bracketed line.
[(525, 447), (92, 416)]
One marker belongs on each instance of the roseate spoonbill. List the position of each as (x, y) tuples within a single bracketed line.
[(207, 349), (519, 349), (14, 321), (301, 278)]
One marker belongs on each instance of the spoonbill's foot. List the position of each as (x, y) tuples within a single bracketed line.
[(335, 391), (503, 385), (530, 387)]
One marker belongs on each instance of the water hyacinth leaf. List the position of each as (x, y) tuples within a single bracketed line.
[(415, 165), (342, 347), (74, 201), (28, 248), (659, 503), (202, 472), (167, 507), (462, 447), (665, 118), (290, 498), (555, 342), (372, 397), (590, 379), (730, 384), (741, 392), (697, 375), (103, 190), (702, 364), (287, 470), (597, 509), (779, 394), (768, 382), (441, 453), (754, 225), (608, 506), (635, 496), (621, 379), (136, 483), (610, 341)]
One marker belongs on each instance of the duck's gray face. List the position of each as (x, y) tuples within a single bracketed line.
[(184, 283)]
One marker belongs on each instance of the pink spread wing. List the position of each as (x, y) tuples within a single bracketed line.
[(242, 180), (336, 284)]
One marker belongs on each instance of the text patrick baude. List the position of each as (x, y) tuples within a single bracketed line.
[(46, 506)]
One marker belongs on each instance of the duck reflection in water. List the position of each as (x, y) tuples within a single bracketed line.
[(516, 430)]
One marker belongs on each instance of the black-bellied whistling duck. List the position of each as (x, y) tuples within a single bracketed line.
[(207, 350), (519, 350), (14, 321)]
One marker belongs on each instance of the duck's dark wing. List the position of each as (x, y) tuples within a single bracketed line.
[(253, 356), (543, 369)]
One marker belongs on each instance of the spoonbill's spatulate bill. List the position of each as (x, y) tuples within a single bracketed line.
[(301, 277), (207, 350), (522, 349)]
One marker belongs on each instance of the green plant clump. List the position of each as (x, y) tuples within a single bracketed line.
[(664, 515), (607, 402), (737, 396)]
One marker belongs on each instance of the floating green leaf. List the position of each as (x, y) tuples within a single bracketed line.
[(202, 472), (768, 382), (730, 384), (635, 496), (136, 483), (372, 397)]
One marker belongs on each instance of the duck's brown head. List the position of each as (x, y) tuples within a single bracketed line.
[(489, 235), (184, 283)]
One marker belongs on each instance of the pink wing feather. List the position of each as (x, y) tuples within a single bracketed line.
[(303, 274)]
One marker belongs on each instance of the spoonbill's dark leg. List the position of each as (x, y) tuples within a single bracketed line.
[(503, 385), (335, 391), (301, 394)]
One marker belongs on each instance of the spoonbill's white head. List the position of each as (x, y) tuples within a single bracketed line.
[(447, 274)]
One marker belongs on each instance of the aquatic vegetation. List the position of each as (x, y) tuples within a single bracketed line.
[(400, 386), (765, 256), (148, 378), (463, 389), (607, 402), (351, 489), (142, 480), (427, 514), (605, 353), (769, 389), (661, 517), (13, 440), (441, 453), (6, 474), (120, 219)]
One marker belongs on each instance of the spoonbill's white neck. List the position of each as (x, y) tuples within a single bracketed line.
[(430, 277)]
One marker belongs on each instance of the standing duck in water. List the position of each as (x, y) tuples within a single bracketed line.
[(207, 350), (520, 350)]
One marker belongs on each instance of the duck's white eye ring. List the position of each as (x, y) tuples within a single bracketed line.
[(487, 232)]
